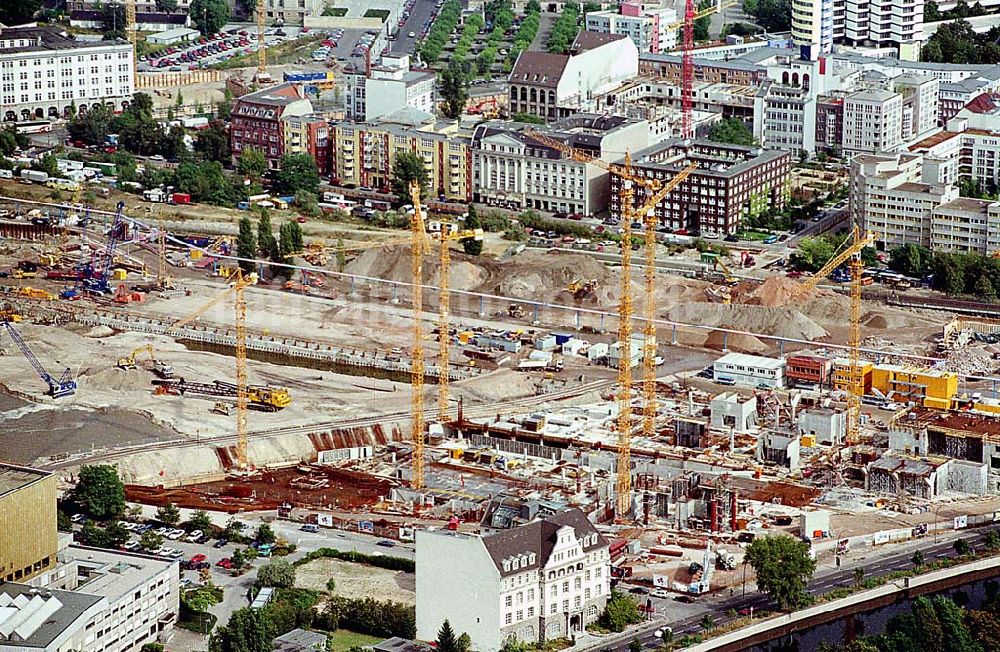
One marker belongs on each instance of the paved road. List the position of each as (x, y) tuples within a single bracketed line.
[(830, 219), (874, 561), (421, 16)]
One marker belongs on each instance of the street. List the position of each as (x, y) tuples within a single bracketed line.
[(421, 17)]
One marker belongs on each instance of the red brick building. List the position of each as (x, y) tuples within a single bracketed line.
[(257, 120), (807, 369)]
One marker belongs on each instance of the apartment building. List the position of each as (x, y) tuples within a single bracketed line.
[(883, 22), (363, 153), (45, 72), (387, 88), (966, 225), (308, 134), (893, 197), (259, 119), (812, 24), (731, 182), (544, 580), (669, 67), (652, 30), (291, 12), (920, 105), (513, 169), (750, 370), (872, 121), (553, 86)]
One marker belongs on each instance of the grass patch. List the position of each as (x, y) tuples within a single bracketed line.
[(381, 14), (336, 12), (344, 639), (287, 52), (379, 561)]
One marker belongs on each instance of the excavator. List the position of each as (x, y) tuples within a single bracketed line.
[(161, 369), (580, 289)]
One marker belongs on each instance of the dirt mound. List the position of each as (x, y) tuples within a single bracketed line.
[(393, 264), (875, 320), (536, 276), (775, 291), (735, 342), (781, 322)]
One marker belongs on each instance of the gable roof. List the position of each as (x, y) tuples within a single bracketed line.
[(589, 40), (985, 103), (538, 68), (538, 537)]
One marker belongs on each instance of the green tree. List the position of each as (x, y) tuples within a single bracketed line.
[(731, 130), (169, 514), (707, 622), (407, 168), (984, 626), (213, 142), (150, 541), (286, 241), (252, 163), (859, 576), (917, 559), (949, 273), (117, 535), (248, 630), (16, 13), (200, 520), (152, 647), (298, 172), (8, 142), (171, 144), (454, 90), (246, 245), (910, 259), (702, 25), (63, 524), (772, 15), (307, 203), (992, 540), (209, 15), (620, 612), (279, 573), (48, 164), (813, 253), (166, 6), (125, 165), (783, 568), (99, 492), (464, 642), (265, 535), (564, 29), (239, 558), (266, 242), (961, 547), (472, 246), (341, 255), (113, 20), (138, 131), (931, 12), (446, 641)]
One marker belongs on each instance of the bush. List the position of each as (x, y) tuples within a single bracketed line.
[(369, 616), (390, 563)]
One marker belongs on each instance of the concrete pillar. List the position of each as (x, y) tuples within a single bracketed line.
[(725, 342), (781, 348), (535, 317), (673, 334), (482, 306)]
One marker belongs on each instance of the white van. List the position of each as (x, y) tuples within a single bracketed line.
[(6, 174)]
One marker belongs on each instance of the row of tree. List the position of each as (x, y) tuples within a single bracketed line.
[(564, 29), (525, 33), (957, 42), (933, 14), (971, 274), (440, 32), (772, 15)]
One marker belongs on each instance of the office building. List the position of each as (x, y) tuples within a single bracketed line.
[(652, 30), (872, 122), (883, 22), (513, 169), (27, 507), (386, 88), (537, 582), (553, 86), (750, 370), (45, 72), (731, 182)]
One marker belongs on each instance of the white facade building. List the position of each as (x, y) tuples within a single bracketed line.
[(883, 22), (650, 29), (893, 197), (93, 600), (966, 225), (389, 87), (812, 24), (750, 370), (872, 121), (540, 581), (44, 72)]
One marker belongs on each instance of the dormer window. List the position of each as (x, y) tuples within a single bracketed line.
[(506, 565)]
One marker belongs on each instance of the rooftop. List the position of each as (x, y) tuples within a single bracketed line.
[(967, 205), (538, 538), (13, 477), (43, 39), (585, 41), (396, 644), (300, 640), (934, 140), (280, 95), (985, 103), (35, 618), (540, 68), (747, 360), (872, 95), (967, 423), (714, 159), (157, 17), (113, 574)]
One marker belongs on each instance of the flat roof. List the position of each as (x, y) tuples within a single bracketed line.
[(751, 360), (114, 574), (969, 424), (14, 477), (968, 205), (936, 139)]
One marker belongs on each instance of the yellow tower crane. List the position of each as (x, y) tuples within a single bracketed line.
[(419, 243), (850, 254), (648, 214), (238, 283), (262, 76), (718, 7), (131, 33), (630, 179)]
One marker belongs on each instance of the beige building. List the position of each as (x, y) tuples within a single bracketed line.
[(363, 154), (966, 225), (872, 121), (893, 198), (28, 539)]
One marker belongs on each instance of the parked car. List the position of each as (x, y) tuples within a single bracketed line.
[(193, 536), (225, 562), (175, 534), (131, 545), (686, 599), (197, 559), (385, 543), (221, 543), (78, 518)]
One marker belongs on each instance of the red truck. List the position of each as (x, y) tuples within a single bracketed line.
[(64, 275), (180, 198)]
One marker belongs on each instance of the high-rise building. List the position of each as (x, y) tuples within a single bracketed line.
[(650, 29), (883, 22), (812, 24), (872, 121)]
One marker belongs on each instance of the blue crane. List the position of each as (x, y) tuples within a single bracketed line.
[(65, 386), (96, 273)]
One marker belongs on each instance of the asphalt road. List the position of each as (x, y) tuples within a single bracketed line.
[(824, 581), (422, 12)]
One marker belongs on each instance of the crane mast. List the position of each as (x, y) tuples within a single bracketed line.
[(623, 478), (417, 368), (444, 337)]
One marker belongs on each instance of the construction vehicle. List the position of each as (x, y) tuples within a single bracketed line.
[(260, 397), (237, 285), (64, 386), (161, 369), (515, 311), (35, 293), (222, 408), (727, 278), (97, 273), (581, 289)]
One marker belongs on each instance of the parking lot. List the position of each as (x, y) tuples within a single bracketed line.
[(417, 20), (232, 41)]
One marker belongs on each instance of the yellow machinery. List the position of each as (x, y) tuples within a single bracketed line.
[(129, 362), (716, 8), (35, 293), (623, 479), (262, 76), (648, 213), (238, 282), (850, 254), (729, 278), (419, 244)]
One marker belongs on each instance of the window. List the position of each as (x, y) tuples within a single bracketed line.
[(508, 601), (508, 618)]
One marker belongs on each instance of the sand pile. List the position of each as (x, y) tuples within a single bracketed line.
[(394, 264), (537, 276), (775, 291), (781, 322), (735, 342)]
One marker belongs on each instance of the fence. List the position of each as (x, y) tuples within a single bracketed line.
[(176, 78)]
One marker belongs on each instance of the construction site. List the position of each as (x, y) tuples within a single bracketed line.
[(683, 411)]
